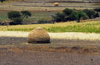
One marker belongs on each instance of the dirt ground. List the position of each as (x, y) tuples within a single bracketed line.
[(16, 51)]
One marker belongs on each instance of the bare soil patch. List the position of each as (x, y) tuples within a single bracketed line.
[(16, 51), (56, 45)]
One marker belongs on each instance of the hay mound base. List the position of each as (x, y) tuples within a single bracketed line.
[(38, 35)]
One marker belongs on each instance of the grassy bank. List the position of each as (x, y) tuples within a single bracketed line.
[(35, 16), (5, 2), (87, 27)]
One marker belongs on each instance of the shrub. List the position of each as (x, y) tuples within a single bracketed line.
[(97, 9), (79, 15), (2, 1), (73, 16), (25, 14), (90, 13), (41, 21), (59, 17), (85, 17), (12, 23), (67, 11), (17, 17), (96, 15), (17, 21), (13, 14)]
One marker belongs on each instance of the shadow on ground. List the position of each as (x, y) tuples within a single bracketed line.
[(56, 45), (16, 51)]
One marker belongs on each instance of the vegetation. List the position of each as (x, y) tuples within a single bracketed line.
[(17, 21), (97, 9), (88, 27), (34, 17), (67, 11), (41, 21), (96, 15), (59, 17), (90, 13), (25, 14), (13, 14), (46, 15), (17, 17), (2, 1), (73, 16), (65, 15), (79, 15), (69, 14)]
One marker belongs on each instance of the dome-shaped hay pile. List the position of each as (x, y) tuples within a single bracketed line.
[(38, 35), (56, 4)]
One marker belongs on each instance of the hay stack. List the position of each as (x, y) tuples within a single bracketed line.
[(38, 35), (56, 4)]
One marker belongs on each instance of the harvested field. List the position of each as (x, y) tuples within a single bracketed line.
[(16, 51), (19, 39), (49, 6)]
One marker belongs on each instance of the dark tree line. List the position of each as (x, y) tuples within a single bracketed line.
[(72, 14), (2, 1), (17, 17)]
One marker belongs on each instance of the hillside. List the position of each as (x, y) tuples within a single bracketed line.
[(60, 0)]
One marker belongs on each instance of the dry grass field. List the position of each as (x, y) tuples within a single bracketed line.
[(61, 24), (19, 30)]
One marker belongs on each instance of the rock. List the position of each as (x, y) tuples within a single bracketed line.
[(38, 35)]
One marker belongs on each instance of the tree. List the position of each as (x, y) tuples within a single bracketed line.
[(73, 16), (17, 17), (59, 17), (79, 15), (90, 13), (17, 21), (96, 15), (67, 11), (41, 21), (13, 14), (97, 9), (25, 14), (2, 1)]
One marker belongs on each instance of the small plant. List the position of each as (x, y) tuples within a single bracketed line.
[(73, 16), (17, 17), (25, 14), (96, 15), (49, 41), (97, 9), (13, 14), (67, 11), (17, 20), (2, 1), (77, 38), (90, 13), (85, 27), (79, 15), (59, 17), (11, 38), (41, 21)]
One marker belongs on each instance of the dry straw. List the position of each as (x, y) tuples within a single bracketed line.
[(38, 35)]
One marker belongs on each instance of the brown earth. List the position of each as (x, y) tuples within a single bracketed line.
[(16, 51)]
